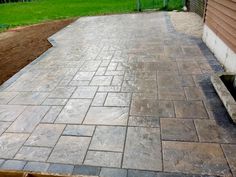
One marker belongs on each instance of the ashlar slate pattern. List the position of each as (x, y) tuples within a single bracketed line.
[(118, 96)]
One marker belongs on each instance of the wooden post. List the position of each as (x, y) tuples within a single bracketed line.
[(205, 9)]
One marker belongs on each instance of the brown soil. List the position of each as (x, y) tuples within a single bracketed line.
[(20, 46)]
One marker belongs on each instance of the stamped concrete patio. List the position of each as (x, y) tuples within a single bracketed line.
[(118, 96)]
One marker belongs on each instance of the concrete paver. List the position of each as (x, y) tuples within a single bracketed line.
[(45, 135), (86, 170), (107, 116), (36, 166), (70, 150), (79, 130), (74, 111), (60, 168), (103, 159), (29, 119), (230, 153), (32, 153), (10, 113), (13, 165), (108, 138), (119, 95), (11, 143), (178, 130), (184, 157)]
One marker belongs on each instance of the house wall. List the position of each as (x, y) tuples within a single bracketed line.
[(220, 31)]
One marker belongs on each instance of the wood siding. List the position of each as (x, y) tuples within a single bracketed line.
[(221, 18)]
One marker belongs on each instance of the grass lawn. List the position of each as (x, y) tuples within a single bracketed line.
[(17, 14)]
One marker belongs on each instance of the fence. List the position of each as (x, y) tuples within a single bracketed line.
[(160, 4), (196, 6)]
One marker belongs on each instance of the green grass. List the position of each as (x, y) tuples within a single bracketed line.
[(18, 14), (158, 4)]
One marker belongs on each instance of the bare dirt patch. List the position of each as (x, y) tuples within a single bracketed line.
[(188, 23), (20, 46)]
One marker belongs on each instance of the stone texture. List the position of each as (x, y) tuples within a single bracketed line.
[(54, 102), (138, 173), (52, 114), (84, 76), (230, 153), (36, 166), (118, 99), (173, 51), (6, 97), (191, 51), (45, 135), (152, 107), (101, 71), (143, 149), (74, 111), (70, 150), (108, 138), (144, 121), (224, 94), (90, 66), (171, 93), (109, 88), (13, 165), (114, 172), (194, 158), (178, 130), (190, 109), (84, 92), (11, 143), (172, 80), (79, 130), (86, 170), (99, 99), (193, 93), (189, 67), (78, 83), (60, 168), (29, 98), (10, 113), (29, 119), (4, 126), (136, 75), (101, 80), (137, 96), (117, 80), (107, 116), (62, 92), (139, 86), (213, 132), (1, 161), (32, 153), (107, 159)]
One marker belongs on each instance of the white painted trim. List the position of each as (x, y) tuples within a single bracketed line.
[(222, 52)]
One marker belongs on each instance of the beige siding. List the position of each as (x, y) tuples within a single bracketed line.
[(221, 18)]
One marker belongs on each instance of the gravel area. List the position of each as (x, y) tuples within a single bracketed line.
[(187, 22)]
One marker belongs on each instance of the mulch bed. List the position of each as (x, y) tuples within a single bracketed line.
[(20, 46)]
